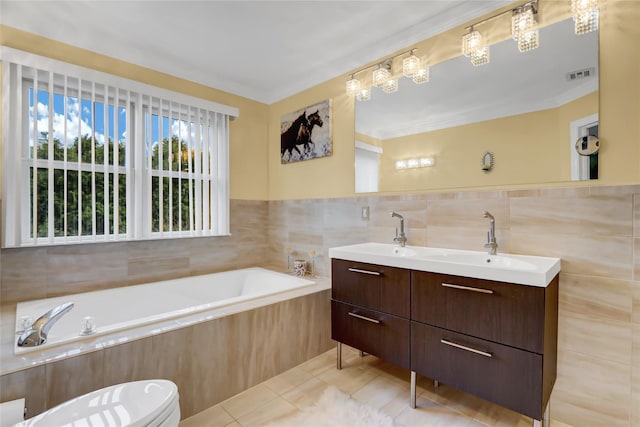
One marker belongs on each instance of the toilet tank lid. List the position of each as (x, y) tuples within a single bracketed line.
[(131, 404)]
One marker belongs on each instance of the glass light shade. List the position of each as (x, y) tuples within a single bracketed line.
[(381, 76), (390, 86), (471, 42), (586, 22), (364, 94), (401, 164), (410, 65), (480, 56), (353, 87), (581, 6), (422, 76), (413, 163), (522, 22), (528, 41)]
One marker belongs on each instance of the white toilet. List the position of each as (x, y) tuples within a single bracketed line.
[(138, 403)]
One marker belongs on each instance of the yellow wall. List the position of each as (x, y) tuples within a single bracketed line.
[(248, 147), (533, 147), (256, 172), (619, 108)]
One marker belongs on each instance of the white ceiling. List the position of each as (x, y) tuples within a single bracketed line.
[(262, 50)]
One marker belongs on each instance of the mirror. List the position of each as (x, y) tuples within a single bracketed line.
[(528, 109)]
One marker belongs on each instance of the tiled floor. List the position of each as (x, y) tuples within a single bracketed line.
[(368, 380)]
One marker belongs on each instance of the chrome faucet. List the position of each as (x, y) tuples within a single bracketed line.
[(401, 238), (36, 334), (492, 244)]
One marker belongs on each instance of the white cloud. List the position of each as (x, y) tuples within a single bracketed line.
[(73, 121)]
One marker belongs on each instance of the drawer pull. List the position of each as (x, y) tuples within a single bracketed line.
[(463, 347), (368, 319), (357, 270), (468, 288)]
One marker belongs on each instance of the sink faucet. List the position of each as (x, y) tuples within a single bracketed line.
[(401, 238), (492, 244), (36, 334)]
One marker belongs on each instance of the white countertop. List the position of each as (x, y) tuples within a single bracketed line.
[(519, 269)]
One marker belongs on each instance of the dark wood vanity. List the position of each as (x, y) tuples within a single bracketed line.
[(493, 339)]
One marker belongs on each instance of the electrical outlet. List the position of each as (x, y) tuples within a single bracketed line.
[(364, 212)]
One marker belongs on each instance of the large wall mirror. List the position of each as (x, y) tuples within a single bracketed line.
[(527, 109)]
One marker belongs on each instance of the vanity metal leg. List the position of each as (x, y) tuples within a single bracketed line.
[(412, 401), (362, 353), (436, 384), (546, 418), (339, 356)]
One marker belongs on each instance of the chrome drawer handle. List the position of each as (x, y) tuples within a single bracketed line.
[(468, 288), (368, 319), (463, 347), (357, 270)]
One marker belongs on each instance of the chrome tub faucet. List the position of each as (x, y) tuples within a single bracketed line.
[(401, 238), (492, 244), (36, 334)]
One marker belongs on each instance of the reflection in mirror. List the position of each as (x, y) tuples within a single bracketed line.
[(527, 108)]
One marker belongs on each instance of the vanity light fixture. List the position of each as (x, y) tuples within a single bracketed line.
[(382, 74), (384, 77), (353, 86), (474, 47), (418, 162), (585, 15), (390, 86), (523, 26), (410, 65), (364, 94)]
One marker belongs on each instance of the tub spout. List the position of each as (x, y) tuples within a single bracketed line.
[(37, 333)]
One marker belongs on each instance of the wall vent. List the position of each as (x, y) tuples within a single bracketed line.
[(581, 74)]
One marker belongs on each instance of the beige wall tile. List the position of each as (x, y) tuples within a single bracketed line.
[(602, 256), (591, 392), (128, 362), (29, 384), (635, 377), (597, 337), (636, 259), (173, 363), (73, 377), (596, 297), (590, 215), (636, 215)]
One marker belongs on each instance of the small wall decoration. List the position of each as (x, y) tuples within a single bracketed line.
[(306, 134), (488, 161)]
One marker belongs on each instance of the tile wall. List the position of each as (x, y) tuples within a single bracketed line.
[(594, 230), (209, 361)]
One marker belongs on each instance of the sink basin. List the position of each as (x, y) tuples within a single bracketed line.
[(485, 260), (521, 269)]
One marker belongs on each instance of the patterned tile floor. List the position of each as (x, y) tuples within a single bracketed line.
[(368, 380)]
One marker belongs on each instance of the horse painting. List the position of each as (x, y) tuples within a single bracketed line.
[(296, 141)]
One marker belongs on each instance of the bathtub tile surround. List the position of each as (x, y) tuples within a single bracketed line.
[(33, 273), (594, 230), (209, 361)]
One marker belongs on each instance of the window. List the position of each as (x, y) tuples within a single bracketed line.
[(93, 157)]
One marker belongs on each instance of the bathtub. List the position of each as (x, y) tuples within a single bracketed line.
[(128, 307)]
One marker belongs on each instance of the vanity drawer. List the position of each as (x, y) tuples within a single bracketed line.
[(504, 375), (507, 313), (357, 327), (373, 286)]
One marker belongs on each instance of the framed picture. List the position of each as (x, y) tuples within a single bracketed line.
[(306, 134)]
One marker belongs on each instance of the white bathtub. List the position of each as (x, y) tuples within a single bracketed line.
[(132, 306)]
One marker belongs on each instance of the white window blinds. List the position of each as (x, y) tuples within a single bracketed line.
[(92, 157)]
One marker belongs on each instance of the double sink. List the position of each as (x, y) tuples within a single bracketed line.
[(520, 269)]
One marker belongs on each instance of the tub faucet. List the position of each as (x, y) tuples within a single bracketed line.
[(401, 238), (492, 244), (36, 334)]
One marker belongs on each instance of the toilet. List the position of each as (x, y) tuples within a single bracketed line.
[(139, 403)]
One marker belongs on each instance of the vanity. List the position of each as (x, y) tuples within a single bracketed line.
[(484, 324)]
